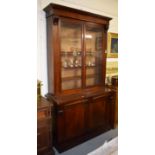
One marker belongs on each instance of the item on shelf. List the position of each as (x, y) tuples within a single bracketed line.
[(93, 64), (89, 63), (65, 64), (75, 53), (76, 63), (39, 84), (79, 53), (71, 63)]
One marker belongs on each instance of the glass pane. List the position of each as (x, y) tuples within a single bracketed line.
[(71, 60), (94, 49)]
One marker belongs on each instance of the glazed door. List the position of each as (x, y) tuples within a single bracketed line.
[(81, 52), (71, 54), (94, 54)]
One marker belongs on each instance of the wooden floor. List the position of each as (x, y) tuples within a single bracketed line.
[(90, 145)]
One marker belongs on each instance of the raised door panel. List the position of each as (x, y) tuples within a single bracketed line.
[(97, 112), (110, 110), (71, 122), (43, 139)]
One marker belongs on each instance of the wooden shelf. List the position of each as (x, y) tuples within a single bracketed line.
[(71, 78), (77, 77), (70, 53), (90, 66), (90, 53), (90, 76), (79, 67)]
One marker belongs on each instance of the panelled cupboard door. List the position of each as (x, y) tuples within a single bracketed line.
[(43, 140), (71, 121), (97, 112)]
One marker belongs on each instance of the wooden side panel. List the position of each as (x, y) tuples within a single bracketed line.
[(110, 110), (116, 110), (44, 127), (43, 138)]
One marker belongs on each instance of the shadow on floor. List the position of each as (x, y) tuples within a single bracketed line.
[(90, 145)]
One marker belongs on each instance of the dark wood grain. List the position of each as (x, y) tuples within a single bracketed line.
[(97, 112), (56, 14), (79, 117), (52, 9), (81, 113)]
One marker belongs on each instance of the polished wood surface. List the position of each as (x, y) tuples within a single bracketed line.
[(44, 127), (97, 112), (54, 9), (82, 116), (72, 122), (55, 16), (87, 109)]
